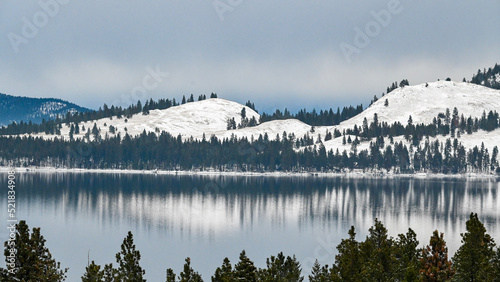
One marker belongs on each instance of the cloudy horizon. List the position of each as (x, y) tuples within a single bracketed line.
[(317, 54)]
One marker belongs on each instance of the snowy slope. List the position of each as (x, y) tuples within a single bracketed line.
[(191, 119), (489, 139), (272, 128), (425, 103)]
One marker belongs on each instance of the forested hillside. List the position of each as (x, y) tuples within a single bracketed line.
[(488, 77), (34, 110)]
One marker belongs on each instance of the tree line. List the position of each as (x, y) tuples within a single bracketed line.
[(323, 118), (488, 77), (378, 258)]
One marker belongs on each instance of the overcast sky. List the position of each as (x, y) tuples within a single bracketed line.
[(293, 53)]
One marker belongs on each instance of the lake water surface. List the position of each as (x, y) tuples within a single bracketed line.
[(87, 215)]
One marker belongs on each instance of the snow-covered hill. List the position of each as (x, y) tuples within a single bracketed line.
[(209, 117), (424, 103), (191, 119), (271, 128)]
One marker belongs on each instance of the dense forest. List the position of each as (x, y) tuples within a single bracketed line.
[(378, 258), (17, 109)]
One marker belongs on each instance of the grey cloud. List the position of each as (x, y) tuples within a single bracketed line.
[(93, 52)]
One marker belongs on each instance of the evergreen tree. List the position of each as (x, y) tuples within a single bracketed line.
[(408, 256), (170, 275), (243, 113), (347, 262), (496, 266), (280, 268), (32, 260), (473, 260), (231, 124), (404, 83), (224, 273), (188, 274), (319, 273), (435, 265), (250, 105), (71, 132), (245, 269), (378, 255), (128, 261), (110, 274), (93, 273)]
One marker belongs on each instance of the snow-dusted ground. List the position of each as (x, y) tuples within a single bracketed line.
[(209, 117), (349, 174), (425, 103), (272, 128)]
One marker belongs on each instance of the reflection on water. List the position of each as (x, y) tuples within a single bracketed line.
[(212, 212)]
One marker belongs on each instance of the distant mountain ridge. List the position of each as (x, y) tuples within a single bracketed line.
[(26, 109)]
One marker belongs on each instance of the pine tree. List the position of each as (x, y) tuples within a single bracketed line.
[(280, 268), (33, 261), (245, 269), (319, 273), (434, 261), (347, 262), (495, 265), (188, 274), (408, 256), (93, 273), (224, 273), (170, 275), (110, 274), (377, 251), (128, 261), (231, 124), (472, 261)]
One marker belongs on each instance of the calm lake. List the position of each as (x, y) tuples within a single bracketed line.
[(87, 215)]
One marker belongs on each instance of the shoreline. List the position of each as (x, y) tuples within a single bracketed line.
[(351, 174)]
